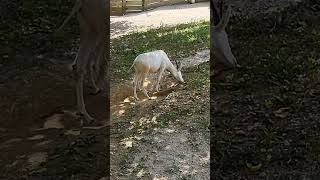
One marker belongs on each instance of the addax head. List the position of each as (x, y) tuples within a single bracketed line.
[(178, 76), (220, 41)]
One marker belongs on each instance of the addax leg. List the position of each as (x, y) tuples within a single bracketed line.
[(81, 64), (140, 84), (143, 76), (72, 66), (159, 79), (154, 79), (135, 83), (96, 90)]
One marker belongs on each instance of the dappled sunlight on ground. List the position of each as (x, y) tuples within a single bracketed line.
[(163, 138)]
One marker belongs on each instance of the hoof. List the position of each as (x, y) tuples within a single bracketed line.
[(97, 91), (88, 120), (87, 123), (71, 67)]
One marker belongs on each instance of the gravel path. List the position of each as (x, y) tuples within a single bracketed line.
[(166, 15)]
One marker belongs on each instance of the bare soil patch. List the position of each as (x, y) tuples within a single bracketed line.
[(38, 115)]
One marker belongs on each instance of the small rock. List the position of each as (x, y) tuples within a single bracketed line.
[(13, 164), (37, 159), (53, 122), (73, 132), (13, 140), (240, 132), (282, 112), (286, 143), (40, 56), (36, 137), (43, 143)]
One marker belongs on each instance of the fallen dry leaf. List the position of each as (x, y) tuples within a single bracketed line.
[(282, 112)]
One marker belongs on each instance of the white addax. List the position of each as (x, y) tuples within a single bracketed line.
[(153, 62)]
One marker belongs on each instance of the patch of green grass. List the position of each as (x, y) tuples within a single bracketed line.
[(198, 77), (197, 88), (180, 114), (177, 41)]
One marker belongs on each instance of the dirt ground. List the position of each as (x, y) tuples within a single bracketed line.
[(265, 116), (146, 144), (40, 130)]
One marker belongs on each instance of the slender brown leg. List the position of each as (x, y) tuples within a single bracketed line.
[(81, 65), (144, 90), (159, 79), (96, 90), (135, 83)]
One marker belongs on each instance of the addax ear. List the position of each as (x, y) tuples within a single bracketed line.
[(214, 13), (178, 64), (225, 19)]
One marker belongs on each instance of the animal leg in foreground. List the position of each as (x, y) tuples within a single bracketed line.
[(81, 64), (90, 57), (222, 53)]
